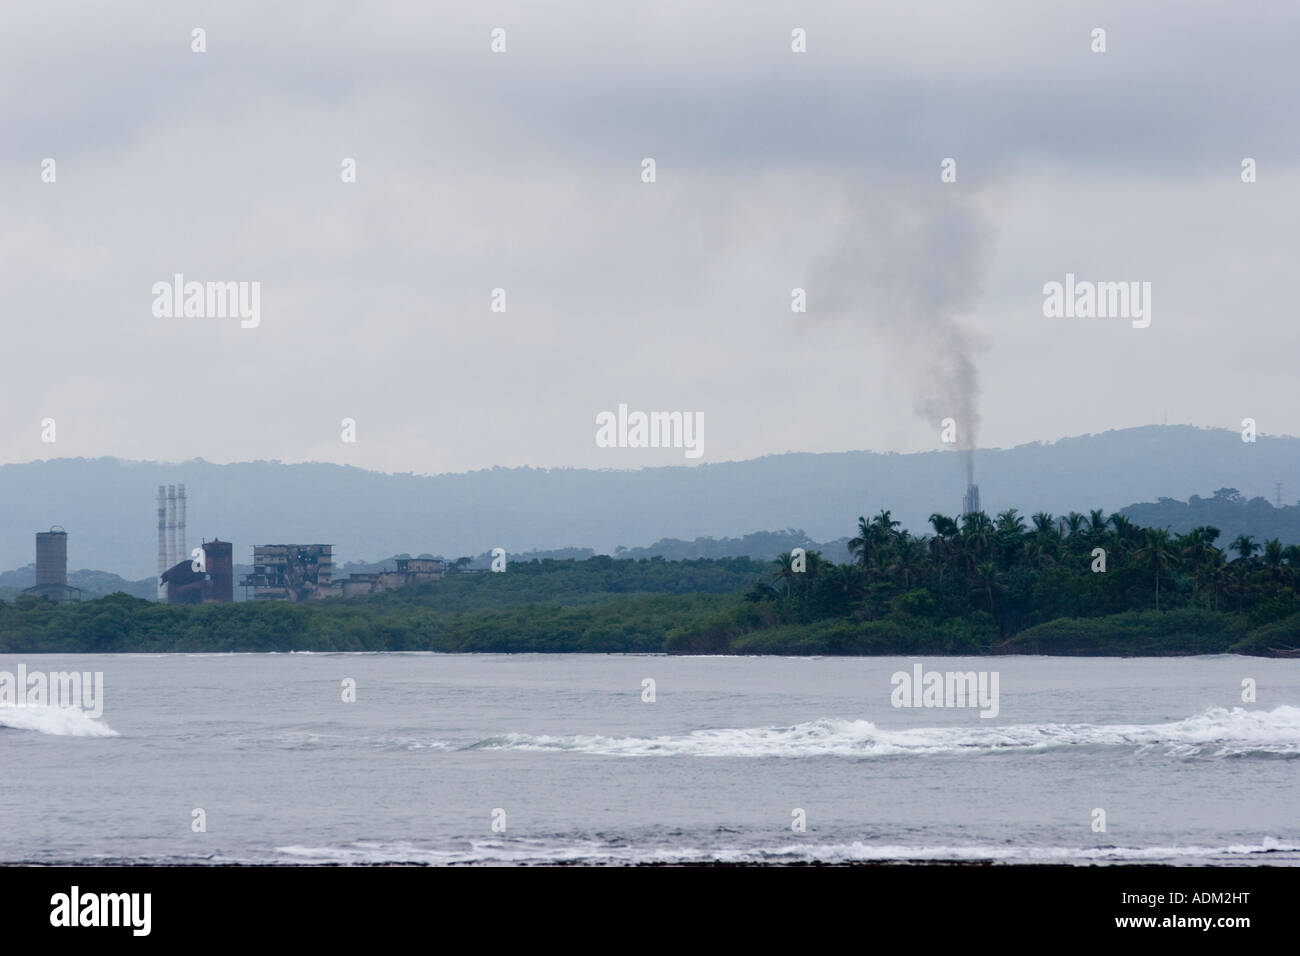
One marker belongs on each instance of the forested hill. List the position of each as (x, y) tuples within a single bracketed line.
[(978, 584), (1226, 509), (107, 505)]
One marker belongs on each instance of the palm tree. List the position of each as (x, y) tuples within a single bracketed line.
[(908, 560), (977, 536), (841, 583), (944, 527), (874, 539), (1044, 544), (1096, 525), (1245, 546), (861, 546), (1126, 532), (941, 545), (1273, 554), (884, 525), (986, 582), (1158, 551), (1197, 546), (785, 572), (1010, 536), (1010, 522), (814, 564), (1218, 578)]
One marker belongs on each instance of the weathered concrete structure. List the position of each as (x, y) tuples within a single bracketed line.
[(409, 571), (290, 572), (52, 566), (213, 585)]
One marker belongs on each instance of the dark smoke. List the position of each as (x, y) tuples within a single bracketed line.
[(906, 263)]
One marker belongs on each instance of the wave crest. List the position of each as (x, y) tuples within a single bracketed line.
[(59, 721), (1218, 732)]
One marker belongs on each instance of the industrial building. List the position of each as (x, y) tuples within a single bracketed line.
[(215, 584), (409, 571), (304, 572), (281, 572), (290, 572), (52, 566)]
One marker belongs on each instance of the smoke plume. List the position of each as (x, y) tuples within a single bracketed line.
[(906, 264)]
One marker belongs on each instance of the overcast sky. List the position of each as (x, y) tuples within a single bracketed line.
[(522, 170)]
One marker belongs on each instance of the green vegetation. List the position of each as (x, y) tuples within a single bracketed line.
[(1227, 509), (1080, 585), (595, 605)]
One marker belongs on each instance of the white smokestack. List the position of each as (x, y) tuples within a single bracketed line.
[(162, 541), (171, 526), (182, 553)]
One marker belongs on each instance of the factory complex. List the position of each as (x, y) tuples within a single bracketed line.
[(281, 572)]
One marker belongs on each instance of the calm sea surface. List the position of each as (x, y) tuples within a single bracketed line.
[(563, 750)]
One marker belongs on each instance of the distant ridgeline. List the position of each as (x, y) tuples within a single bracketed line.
[(1083, 584), (1226, 510), (761, 545), (106, 504), (12, 583)]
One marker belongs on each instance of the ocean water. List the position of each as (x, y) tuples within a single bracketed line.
[(564, 751)]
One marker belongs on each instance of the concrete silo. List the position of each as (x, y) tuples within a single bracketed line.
[(52, 564)]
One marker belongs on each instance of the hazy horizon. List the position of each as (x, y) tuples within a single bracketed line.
[(775, 170), (108, 504), (633, 468)]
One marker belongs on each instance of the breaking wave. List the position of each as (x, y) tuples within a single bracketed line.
[(1218, 732), (59, 721), (375, 852)]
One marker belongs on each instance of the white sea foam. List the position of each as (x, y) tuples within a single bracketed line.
[(1217, 732), (60, 721), (310, 740), (592, 852)]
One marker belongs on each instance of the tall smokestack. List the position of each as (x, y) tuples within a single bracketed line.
[(182, 552), (162, 541), (971, 503), (171, 526)]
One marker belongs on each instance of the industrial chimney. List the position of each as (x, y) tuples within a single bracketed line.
[(171, 526), (162, 542), (182, 552)]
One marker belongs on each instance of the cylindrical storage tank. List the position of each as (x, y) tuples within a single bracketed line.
[(52, 563)]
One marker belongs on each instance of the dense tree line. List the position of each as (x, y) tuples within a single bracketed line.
[(1025, 572), (1079, 584), (977, 581), (595, 605)]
